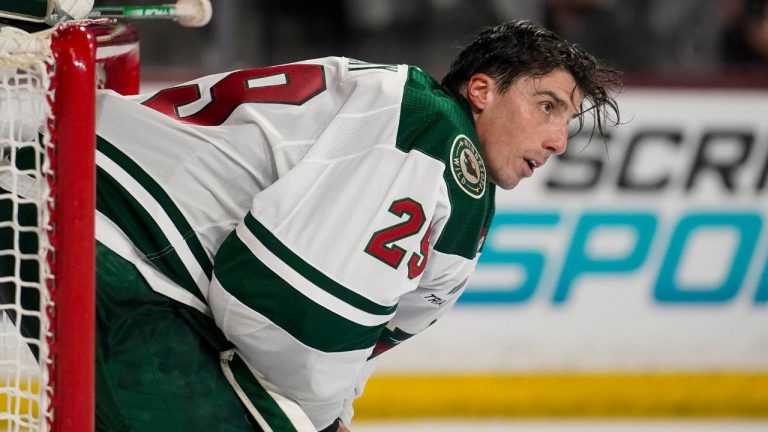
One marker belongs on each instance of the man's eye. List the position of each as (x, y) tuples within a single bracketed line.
[(546, 107)]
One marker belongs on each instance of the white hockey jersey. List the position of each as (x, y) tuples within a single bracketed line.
[(321, 212)]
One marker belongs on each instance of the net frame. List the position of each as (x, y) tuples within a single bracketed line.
[(62, 190), (74, 189)]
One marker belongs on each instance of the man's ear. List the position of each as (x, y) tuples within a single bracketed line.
[(478, 91)]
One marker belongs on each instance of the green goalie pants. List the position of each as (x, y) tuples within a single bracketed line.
[(157, 361)]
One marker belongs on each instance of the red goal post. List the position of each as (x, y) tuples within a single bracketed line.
[(47, 200)]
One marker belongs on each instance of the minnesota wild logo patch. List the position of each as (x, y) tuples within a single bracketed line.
[(467, 167)]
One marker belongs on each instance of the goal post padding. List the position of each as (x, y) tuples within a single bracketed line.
[(73, 137)]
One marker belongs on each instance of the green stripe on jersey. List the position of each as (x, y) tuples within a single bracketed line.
[(255, 285), (312, 274), (159, 194), (430, 121), (259, 397), (116, 202)]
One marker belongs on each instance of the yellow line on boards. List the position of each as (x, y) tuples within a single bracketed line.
[(566, 395)]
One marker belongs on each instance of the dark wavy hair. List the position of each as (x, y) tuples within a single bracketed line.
[(523, 48)]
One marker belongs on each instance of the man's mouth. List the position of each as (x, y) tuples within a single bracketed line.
[(532, 164)]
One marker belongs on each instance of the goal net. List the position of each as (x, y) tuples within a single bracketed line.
[(47, 199)]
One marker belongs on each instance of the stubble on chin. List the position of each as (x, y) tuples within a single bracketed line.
[(505, 184), (504, 180)]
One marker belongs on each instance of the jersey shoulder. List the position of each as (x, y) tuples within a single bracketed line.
[(440, 125), (430, 115)]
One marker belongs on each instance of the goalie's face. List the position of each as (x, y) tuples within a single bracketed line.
[(520, 128)]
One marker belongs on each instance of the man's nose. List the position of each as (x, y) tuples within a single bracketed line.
[(557, 141)]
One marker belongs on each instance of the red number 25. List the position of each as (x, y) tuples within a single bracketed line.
[(382, 244)]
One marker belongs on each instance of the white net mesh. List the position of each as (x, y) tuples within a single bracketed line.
[(25, 247)]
